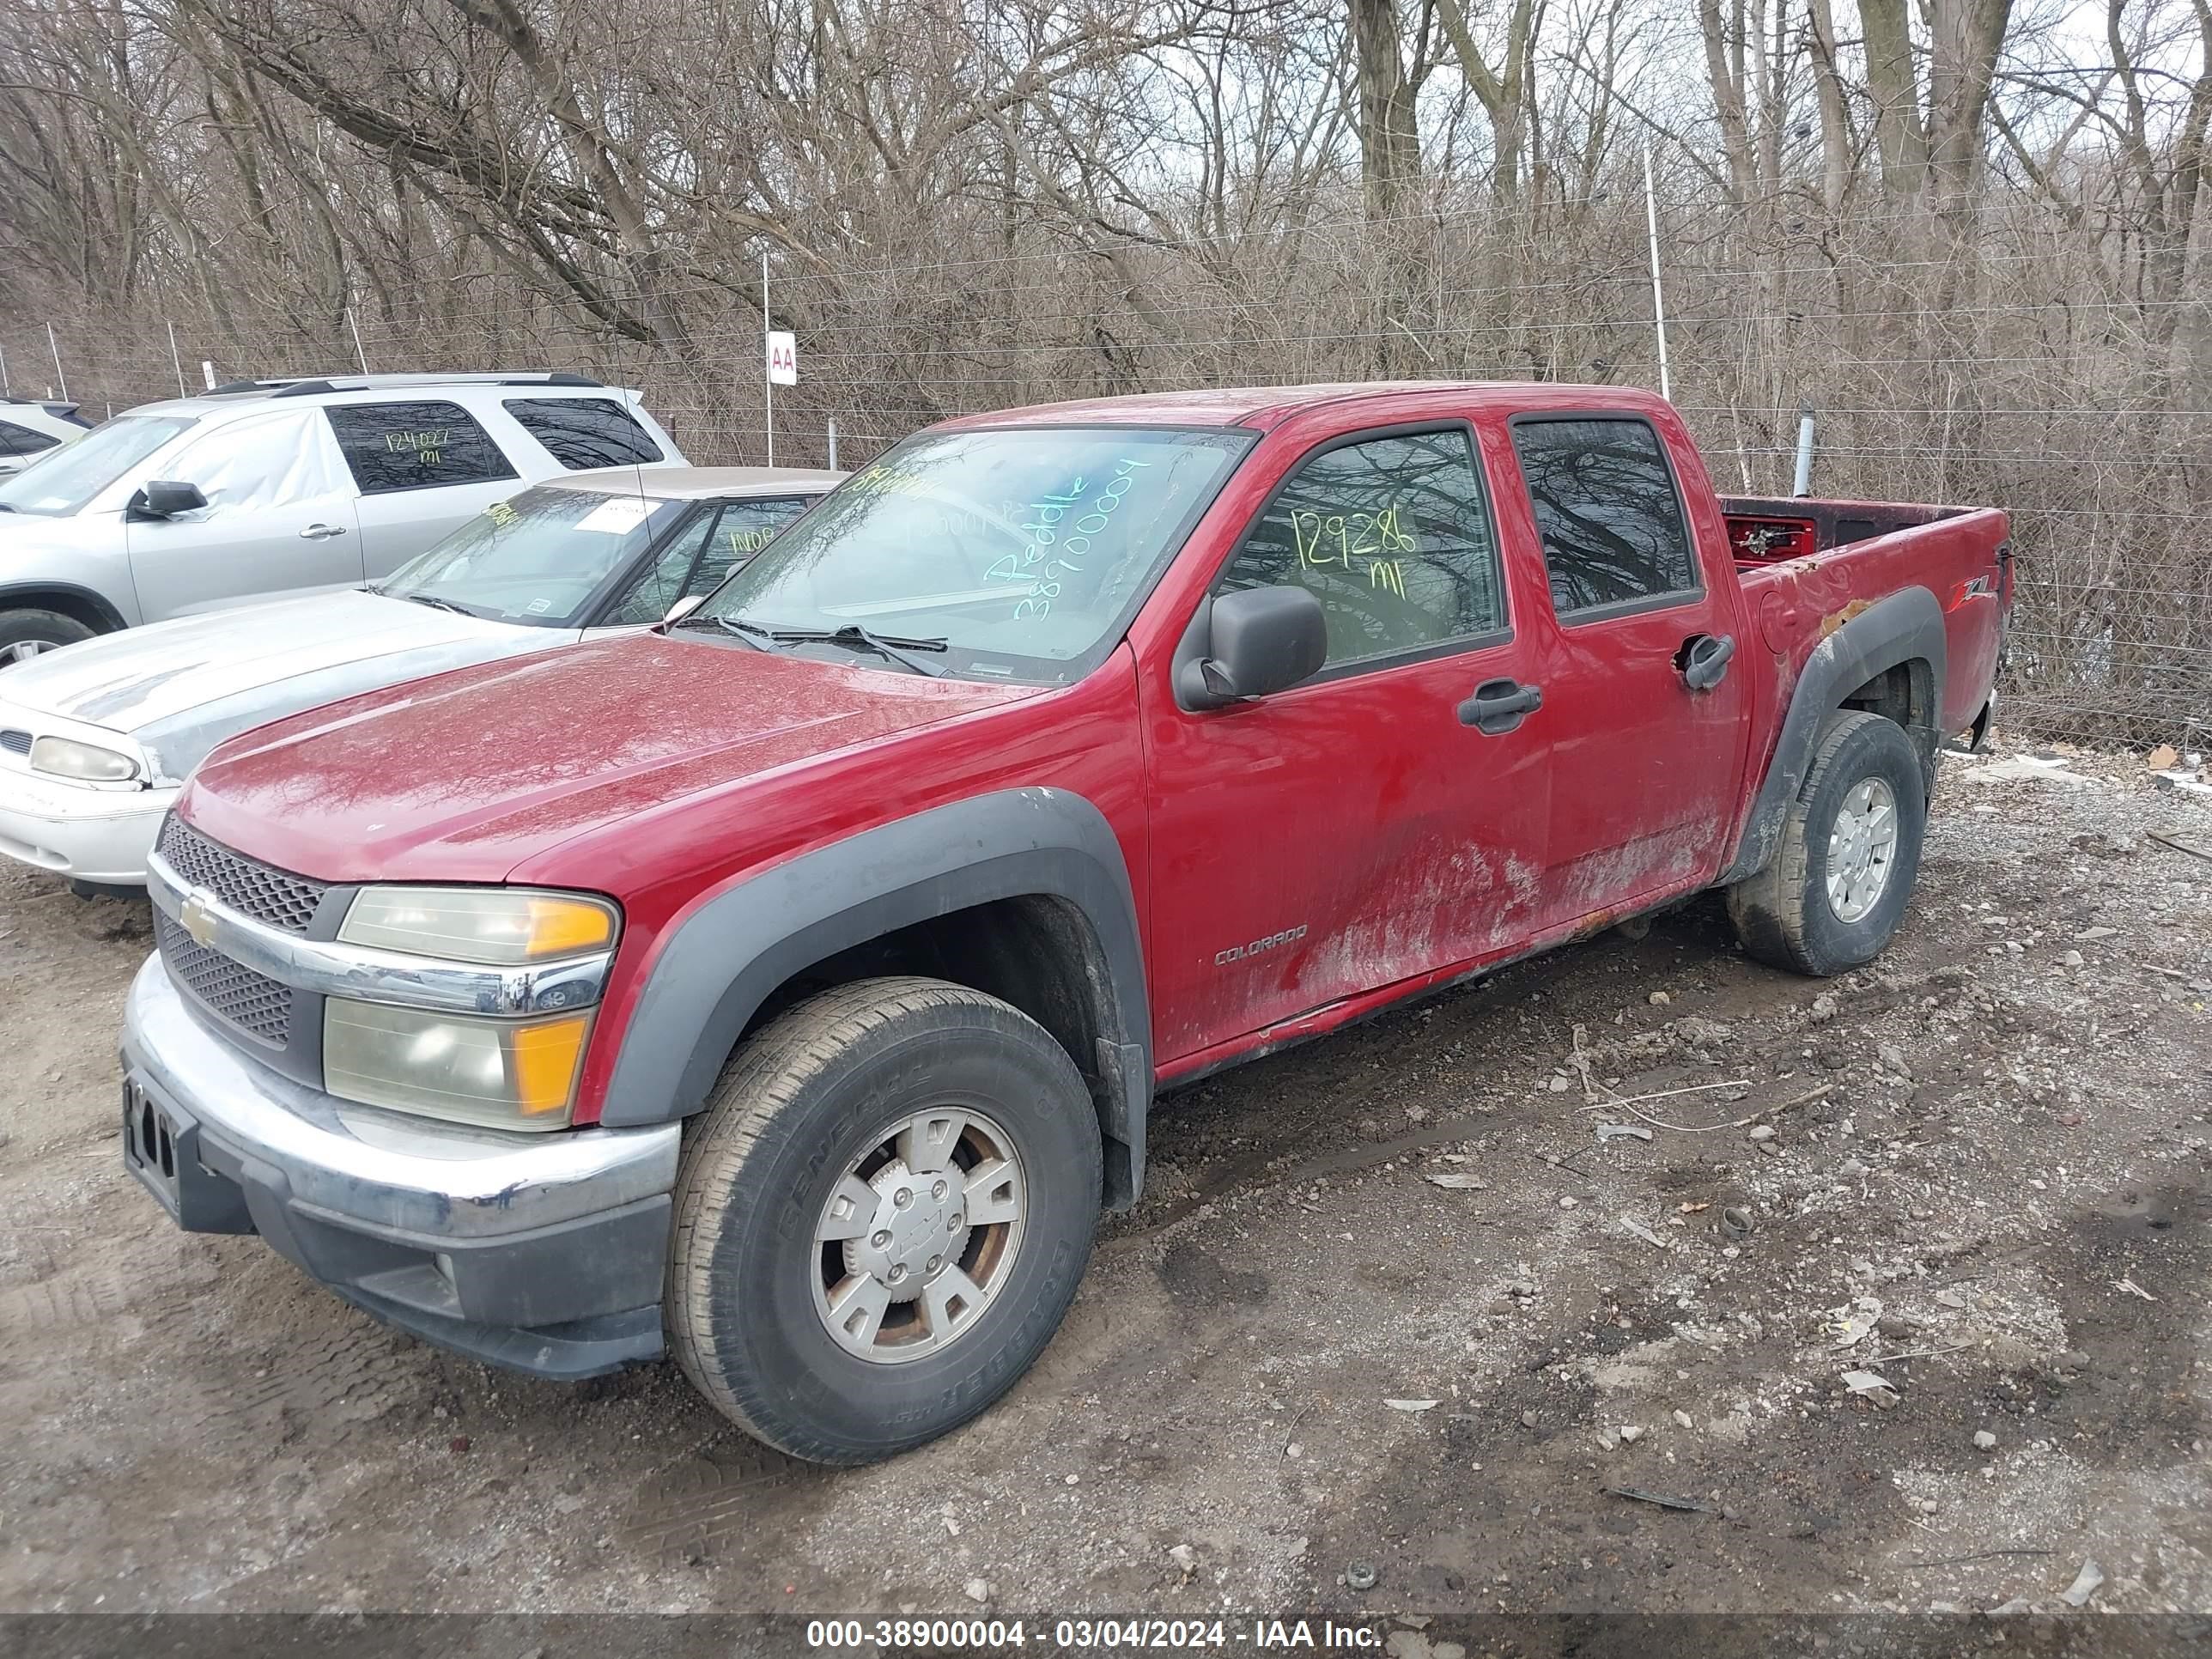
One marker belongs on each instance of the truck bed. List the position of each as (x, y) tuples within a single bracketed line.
[(1764, 529), (1807, 567)]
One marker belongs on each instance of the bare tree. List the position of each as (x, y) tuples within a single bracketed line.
[(1979, 243), (1389, 86)]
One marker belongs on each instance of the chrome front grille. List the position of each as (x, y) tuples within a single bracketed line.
[(15, 742), (253, 889), (259, 1006)]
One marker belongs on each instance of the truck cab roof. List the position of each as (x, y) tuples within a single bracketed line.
[(1262, 409)]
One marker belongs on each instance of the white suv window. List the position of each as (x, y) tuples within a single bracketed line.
[(422, 444), (264, 460), (582, 433)]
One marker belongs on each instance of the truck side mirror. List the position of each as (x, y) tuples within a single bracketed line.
[(1252, 642), (164, 498), (682, 608)]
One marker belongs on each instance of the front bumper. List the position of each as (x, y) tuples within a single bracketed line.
[(86, 835), (542, 1253)]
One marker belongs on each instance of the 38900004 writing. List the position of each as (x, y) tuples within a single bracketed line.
[(1043, 530)]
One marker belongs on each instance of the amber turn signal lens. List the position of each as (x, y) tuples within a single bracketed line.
[(546, 1059), (564, 926)]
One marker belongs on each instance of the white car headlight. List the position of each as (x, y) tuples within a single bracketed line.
[(502, 926), (66, 757), (502, 1074)]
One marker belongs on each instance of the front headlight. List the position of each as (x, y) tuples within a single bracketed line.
[(502, 926), (502, 1074), (66, 757)]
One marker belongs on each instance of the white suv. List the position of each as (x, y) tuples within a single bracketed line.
[(29, 426), (265, 488)]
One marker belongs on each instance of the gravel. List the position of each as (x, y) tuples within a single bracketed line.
[(2008, 1134)]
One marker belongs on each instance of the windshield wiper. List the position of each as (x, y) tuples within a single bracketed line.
[(751, 633), (887, 646), (442, 605)]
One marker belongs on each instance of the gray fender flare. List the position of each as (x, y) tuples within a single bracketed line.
[(726, 959), (1905, 626)]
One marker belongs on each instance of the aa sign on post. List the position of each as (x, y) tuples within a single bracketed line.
[(782, 358)]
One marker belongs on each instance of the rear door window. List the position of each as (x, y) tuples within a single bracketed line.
[(661, 583), (743, 529), (421, 444), (581, 432), (697, 561), (1615, 538)]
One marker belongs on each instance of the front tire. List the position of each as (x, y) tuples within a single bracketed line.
[(29, 633), (1843, 872), (881, 1218)]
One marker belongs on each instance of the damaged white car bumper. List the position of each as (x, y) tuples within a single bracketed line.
[(78, 830)]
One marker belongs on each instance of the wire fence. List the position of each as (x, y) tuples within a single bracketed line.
[(2033, 364)]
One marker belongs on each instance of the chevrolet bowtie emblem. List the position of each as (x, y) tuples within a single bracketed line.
[(197, 915)]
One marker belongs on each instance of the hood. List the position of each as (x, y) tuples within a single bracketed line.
[(180, 687), (34, 534), (467, 775)]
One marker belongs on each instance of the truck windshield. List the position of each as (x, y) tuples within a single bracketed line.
[(536, 559), (63, 480), (1014, 553)]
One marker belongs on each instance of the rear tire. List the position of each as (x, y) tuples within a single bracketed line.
[(785, 1222), (27, 634), (1835, 888)]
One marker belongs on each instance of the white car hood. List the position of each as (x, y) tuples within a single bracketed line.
[(180, 688)]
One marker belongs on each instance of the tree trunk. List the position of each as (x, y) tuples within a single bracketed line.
[(1724, 69), (1899, 130), (1835, 129), (1967, 36), (1503, 92), (1390, 144)]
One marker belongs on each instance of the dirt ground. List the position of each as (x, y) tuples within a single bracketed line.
[(1389, 1301)]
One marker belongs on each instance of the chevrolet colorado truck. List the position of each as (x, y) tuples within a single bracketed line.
[(788, 988)]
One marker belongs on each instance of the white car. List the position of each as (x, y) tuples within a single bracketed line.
[(263, 488), (29, 426), (96, 738)]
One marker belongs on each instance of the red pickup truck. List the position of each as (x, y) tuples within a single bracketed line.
[(788, 989)]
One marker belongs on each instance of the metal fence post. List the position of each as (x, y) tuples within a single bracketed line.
[(1803, 484), (768, 386), (1658, 297)]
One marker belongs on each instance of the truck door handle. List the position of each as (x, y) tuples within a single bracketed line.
[(321, 533), (1496, 706), (1703, 659)]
